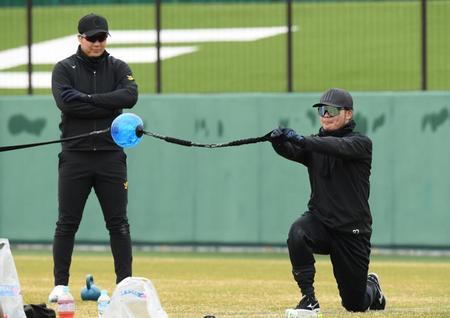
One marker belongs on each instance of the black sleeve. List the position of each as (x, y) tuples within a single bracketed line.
[(61, 79), (350, 147), (124, 96), (291, 151)]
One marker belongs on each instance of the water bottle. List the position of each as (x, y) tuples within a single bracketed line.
[(66, 304), (2, 315), (102, 303)]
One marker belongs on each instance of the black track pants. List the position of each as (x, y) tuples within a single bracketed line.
[(349, 254), (106, 173)]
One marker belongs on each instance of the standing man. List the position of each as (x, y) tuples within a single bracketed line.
[(91, 88), (338, 219)]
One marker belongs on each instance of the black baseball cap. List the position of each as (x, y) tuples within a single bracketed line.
[(336, 97), (92, 24)]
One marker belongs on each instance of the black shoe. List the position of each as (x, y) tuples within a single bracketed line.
[(379, 301), (309, 302)]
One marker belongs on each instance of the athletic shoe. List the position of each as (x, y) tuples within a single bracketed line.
[(56, 292), (309, 302), (379, 303)]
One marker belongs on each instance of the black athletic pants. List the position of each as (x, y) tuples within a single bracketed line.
[(349, 254), (79, 172)]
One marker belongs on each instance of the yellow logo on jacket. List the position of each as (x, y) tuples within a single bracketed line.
[(130, 78), (125, 185)]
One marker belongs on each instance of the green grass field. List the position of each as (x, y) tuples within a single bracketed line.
[(244, 285), (360, 45)]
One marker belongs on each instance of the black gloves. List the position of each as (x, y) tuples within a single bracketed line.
[(69, 94), (276, 134), (292, 135), (285, 134)]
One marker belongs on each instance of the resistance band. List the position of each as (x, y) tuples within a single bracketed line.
[(137, 134), (15, 147)]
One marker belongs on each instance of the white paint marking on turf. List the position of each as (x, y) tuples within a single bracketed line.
[(197, 35), (52, 51), (20, 80), (148, 54), (10, 80)]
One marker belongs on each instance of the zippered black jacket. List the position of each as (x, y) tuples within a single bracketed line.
[(339, 165), (110, 83)]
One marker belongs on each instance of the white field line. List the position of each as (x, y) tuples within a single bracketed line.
[(11, 80), (52, 51), (197, 35)]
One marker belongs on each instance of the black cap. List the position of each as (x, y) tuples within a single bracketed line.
[(336, 97), (92, 24)]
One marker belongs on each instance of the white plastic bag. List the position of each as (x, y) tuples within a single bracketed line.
[(10, 296), (135, 297), (302, 313)]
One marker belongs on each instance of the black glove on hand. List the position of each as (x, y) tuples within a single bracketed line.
[(283, 134), (70, 94), (291, 135), (276, 134)]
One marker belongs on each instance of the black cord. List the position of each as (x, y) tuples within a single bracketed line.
[(15, 147), (139, 132), (188, 143)]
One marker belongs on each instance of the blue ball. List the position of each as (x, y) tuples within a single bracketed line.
[(123, 130)]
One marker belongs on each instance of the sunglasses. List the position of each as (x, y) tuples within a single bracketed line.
[(331, 110), (96, 37)]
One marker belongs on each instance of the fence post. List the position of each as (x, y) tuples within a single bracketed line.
[(289, 45), (29, 44), (158, 45), (424, 65)]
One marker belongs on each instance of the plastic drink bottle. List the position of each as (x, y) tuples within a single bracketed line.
[(66, 304), (102, 303), (2, 315)]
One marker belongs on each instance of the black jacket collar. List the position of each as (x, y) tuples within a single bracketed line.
[(91, 61), (348, 128)]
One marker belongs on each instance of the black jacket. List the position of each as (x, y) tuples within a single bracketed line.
[(339, 166), (110, 83)]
